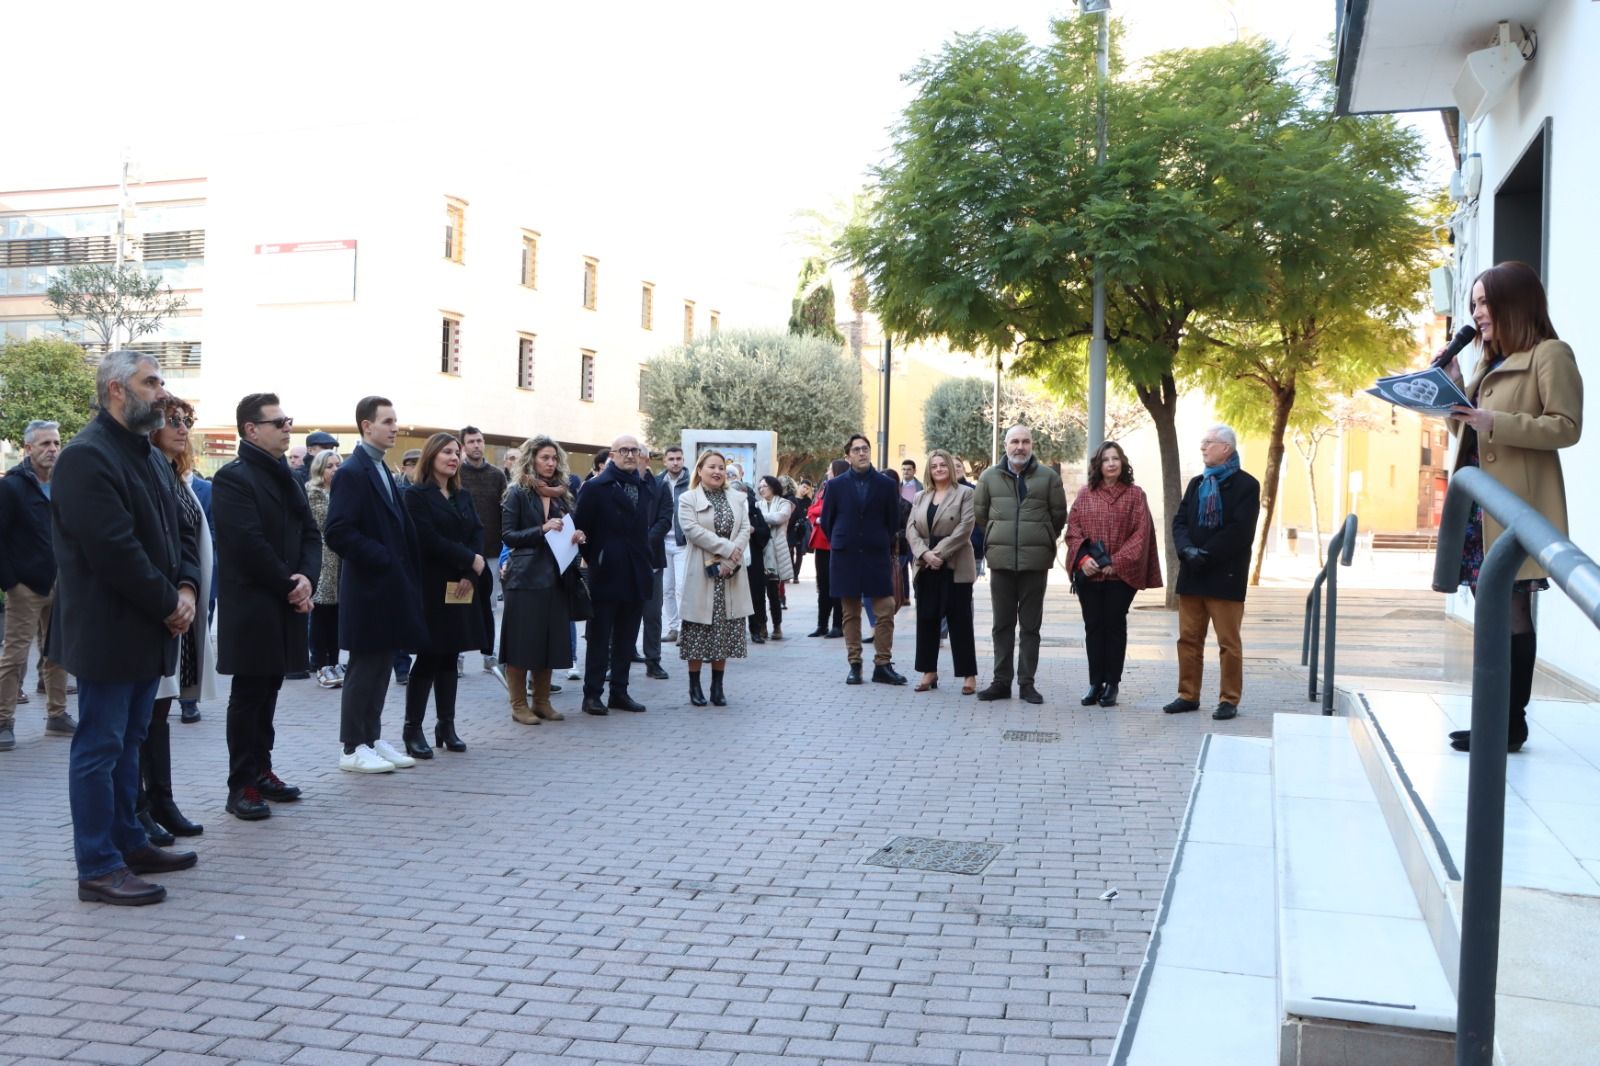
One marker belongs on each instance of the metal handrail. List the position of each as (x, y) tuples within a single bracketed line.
[(1341, 552), (1527, 532)]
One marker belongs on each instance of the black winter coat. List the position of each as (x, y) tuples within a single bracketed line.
[(531, 565), (617, 536), (26, 555), (660, 522), (1226, 572), (450, 536), (121, 555), (860, 534), (265, 534), (380, 591)]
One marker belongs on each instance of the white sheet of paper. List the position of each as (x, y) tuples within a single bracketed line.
[(561, 545)]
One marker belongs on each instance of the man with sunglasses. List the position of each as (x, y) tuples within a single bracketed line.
[(269, 557)]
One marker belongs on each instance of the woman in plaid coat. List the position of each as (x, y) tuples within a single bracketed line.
[(1111, 552)]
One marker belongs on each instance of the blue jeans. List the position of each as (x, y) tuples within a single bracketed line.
[(103, 772)]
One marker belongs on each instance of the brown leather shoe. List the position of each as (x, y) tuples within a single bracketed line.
[(156, 861), (120, 888)]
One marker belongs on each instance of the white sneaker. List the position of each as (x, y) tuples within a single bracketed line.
[(398, 759), (574, 674), (328, 677), (365, 761), (339, 669), (489, 663)]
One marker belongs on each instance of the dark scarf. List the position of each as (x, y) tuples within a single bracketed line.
[(289, 489)]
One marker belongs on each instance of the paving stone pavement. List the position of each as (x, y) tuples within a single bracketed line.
[(682, 886)]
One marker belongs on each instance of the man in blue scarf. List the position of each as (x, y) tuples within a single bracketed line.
[(1214, 529)]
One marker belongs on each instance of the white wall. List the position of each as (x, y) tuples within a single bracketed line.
[(1562, 84)]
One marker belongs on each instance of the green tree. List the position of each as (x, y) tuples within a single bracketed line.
[(111, 302), (813, 307), (803, 388), (46, 379), (958, 416)]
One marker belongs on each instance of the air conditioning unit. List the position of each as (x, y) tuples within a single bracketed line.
[(1443, 280), (1487, 75)]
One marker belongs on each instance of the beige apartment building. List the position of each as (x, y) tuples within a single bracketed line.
[(329, 265)]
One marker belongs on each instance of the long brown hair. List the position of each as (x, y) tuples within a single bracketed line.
[(1097, 478), (1517, 307), (525, 474), (172, 408), (423, 474)]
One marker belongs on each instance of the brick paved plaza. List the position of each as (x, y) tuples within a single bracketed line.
[(683, 886)]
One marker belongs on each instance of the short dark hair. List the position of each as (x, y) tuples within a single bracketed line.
[(467, 431), (856, 437), (249, 409), (601, 458), (912, 463), (837, 467), (367, 409), (670, 449)]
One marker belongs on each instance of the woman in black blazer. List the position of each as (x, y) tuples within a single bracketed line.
[(449, 534)]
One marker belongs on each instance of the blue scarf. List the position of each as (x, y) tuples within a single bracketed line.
[(1210, 495)]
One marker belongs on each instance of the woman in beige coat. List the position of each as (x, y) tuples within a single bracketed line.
[(1528, 404), (715, 600), (939, 534)]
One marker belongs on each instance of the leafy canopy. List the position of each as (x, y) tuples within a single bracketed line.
[(958, 416), (106, 300), (46, 379)]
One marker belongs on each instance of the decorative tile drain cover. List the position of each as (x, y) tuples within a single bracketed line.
[(1035, 738), (933, 854)]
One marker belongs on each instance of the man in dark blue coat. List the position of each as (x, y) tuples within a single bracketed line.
[(380, 587), (127, 579), (615, 511), (860, 516), (28, 576)]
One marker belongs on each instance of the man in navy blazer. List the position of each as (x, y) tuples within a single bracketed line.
[(860, 517), (614, 512), (380, 593)]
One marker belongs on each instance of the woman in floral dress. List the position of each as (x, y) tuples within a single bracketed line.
[(715, 520)]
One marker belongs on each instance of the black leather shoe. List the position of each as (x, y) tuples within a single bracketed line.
[(854, 676), (1108, 698), (1092, 697), (1180, 706), (820, 631), (757, 638), (621, 701), (717, 697), (1029, 694), (592, 705), (121, 888), (653, 670), (416, 743), (637, 659), (835, 633), (1461, 740), (189, 714), (276, 789), (887, 675), (697, 696), (167, 815), (298, 675), (1225, 711), (995, 691), (444, 735), (158, 836), (156, 861), (248, 806)]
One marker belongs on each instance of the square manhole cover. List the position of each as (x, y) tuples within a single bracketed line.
[(934, 854), (1032, 738)]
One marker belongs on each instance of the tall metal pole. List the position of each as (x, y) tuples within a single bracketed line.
[(994, 447), (883, 413), (122, 241), (1097, 342)]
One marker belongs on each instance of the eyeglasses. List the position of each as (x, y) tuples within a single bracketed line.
[(283, 422), (861, 448), (627, 451), (1209, 443), (186, 423)]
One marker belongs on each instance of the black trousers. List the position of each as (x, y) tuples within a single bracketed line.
[(366, 683), (758, 597), (943, 599), (155, 757), (436, 673), (1105, 627), (324, 635), (485, 597), (651, 621), (608, 642), (797, 555), (252, 702), (830, 612)]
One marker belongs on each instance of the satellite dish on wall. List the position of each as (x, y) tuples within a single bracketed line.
[(1487, 75)]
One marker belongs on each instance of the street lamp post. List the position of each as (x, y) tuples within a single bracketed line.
[(1097, 341)]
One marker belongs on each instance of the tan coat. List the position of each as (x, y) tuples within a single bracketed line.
[(1537, 400), (697, 519), (953, 522)]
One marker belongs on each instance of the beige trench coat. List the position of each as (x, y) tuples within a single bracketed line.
[(698, 522), (953, 521), (1537, 400)]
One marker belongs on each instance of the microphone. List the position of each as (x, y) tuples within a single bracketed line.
[(1464, 336)]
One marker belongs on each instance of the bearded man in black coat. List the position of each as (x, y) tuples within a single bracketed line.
[(269, 557)]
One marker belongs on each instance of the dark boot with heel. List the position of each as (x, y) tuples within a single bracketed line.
[(697, 696), (717, 698), (1524, 659)]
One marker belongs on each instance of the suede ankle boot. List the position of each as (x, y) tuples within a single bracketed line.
[(517, 687), (541, 698)]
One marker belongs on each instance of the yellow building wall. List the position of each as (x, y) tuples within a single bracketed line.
[(1372, 471)]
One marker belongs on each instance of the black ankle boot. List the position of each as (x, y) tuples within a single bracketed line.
[(697, 697), (168, 817), (159, 837), (444, 735), (717, 698), (416, 743), (1524, 659)]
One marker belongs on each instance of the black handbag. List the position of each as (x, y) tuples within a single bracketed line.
[(1094, 549), (580, 608)]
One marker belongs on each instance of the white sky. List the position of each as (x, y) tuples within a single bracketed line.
[(714, 121)]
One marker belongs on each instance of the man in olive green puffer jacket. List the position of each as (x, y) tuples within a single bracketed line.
[(1021, 507)]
